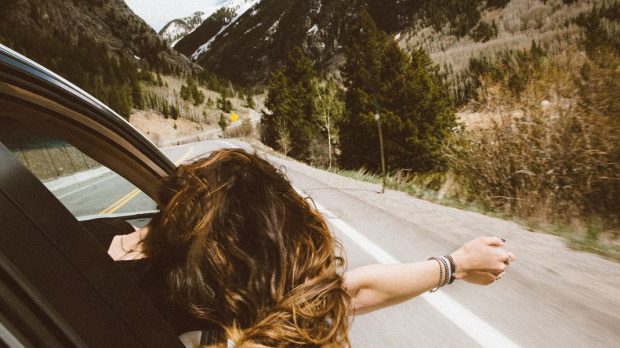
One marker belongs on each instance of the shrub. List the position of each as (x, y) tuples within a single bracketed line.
[(223, 123), (484, 32), (556, 168), (244, 130), (224, 104)]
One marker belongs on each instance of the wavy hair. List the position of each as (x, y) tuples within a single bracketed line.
[(246, 254)]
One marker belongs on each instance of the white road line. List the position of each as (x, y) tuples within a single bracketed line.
[(476, 328), (85, 187), (231, 145)]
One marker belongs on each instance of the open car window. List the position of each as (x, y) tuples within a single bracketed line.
[(58, 287), (86, 188)]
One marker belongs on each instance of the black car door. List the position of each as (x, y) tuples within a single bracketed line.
[(58, 288)]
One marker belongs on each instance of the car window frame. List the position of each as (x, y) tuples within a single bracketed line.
[(43, 100)]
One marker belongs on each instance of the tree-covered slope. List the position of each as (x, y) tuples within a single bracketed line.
[(107, 22)]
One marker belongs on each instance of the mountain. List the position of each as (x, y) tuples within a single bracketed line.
[(246, 47), (109, 23), (100, 45), (176, 29), (196, 42), (209, 28)]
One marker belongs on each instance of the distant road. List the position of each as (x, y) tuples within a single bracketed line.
[(111, 194), (550, 297)]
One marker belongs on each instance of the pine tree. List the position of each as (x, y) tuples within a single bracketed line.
[(223, 123), (272, 120), (361, 73), (224, 104), (185, 93), (174, 111), (197, 94), (136, 95), (415, 112), (120, 101), (165, 110), (290, 105)]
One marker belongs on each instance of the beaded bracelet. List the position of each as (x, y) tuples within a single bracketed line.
[(447, 269), (448, 275), (440, 273)]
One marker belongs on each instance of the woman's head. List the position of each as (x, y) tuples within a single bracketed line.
[(245, 251)]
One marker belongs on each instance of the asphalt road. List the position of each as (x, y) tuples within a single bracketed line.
[(550, 297), (111, 194)]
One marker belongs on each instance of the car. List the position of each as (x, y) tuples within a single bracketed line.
[(65, 158)]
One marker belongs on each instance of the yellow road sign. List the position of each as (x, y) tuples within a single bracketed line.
[(234, 117)]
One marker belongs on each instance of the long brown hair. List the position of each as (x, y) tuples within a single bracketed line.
[(247, 254)]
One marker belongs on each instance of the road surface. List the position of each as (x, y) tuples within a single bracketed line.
[(550, 297)]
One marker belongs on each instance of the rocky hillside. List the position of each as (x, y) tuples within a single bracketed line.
[(107, 22), (100, 45), (246, 47)]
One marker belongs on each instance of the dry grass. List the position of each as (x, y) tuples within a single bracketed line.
[(552, 169), (243, 130)]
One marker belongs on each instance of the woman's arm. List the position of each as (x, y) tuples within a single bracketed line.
[(374, 287)]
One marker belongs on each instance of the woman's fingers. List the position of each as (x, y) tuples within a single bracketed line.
[(492, 241), (499, 269), (511, 256), (480, 278)]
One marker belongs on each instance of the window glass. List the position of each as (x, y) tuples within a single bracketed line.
[(87, 188)]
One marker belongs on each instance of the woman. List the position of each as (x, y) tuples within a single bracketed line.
[(237, 256)]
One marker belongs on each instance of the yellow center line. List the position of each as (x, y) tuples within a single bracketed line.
[(133, 193), (121, 202)]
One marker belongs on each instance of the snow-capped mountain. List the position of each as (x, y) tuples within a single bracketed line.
[(238, 7), (177, 29), (247, 44)]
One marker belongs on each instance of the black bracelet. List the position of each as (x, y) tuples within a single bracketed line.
[(452, 267)]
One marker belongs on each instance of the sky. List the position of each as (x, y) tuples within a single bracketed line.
[(158, 13)]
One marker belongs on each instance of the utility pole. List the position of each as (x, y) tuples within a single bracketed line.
[(378, 119)]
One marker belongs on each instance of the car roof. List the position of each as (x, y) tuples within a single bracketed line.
[(42, 99)]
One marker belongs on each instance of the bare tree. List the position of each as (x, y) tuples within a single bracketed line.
[(284, 138), (329, 108)]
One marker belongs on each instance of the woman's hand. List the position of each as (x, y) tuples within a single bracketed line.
[(482, 260), (372, 287)]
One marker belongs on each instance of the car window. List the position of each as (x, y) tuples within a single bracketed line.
[(87, 188)]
